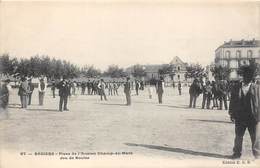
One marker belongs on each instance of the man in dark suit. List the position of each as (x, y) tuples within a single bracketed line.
[(127, 91), (244, 110), (31, 88), (194, 92), (64, 92), (160, 89)]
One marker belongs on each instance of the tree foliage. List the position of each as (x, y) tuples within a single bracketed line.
[(90, 71), (138, 71), (220, 73), (37, 66), (195, 71), (114, 71), (166, 69)]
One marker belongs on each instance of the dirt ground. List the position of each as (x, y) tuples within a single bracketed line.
[(170, 130)]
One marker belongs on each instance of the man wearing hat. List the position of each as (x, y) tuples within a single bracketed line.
[(4, 94), (64, 92), (23, 92), (31, 88), (42, 89), (244, 110), (101, 87), (5, 89), (127, 91), (160, 89)]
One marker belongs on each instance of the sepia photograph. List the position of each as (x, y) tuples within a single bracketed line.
[(110, 83)]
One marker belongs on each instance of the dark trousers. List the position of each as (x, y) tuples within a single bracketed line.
[(23, 99), (53, 93), (110, 92), (206, 100), (240, 128), (128, 98), (193, 99), (29, 98), (222, 99), (103, 94), (179, 91), (136, 90), (160, 94), (83, 91), (115, 92), (63, 102)]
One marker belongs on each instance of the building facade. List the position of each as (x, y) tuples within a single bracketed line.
[(177, 74), (233, 54)]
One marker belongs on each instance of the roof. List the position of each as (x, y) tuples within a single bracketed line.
[(240, 43), (176, 60)]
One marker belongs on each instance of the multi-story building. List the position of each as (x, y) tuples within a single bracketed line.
[(233, 54), (177, 74)]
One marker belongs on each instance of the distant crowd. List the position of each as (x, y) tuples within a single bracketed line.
[(243, 97)]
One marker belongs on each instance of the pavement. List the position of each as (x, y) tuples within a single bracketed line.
[(170, 130)]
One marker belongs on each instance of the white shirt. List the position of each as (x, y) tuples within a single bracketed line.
[(245, 88)]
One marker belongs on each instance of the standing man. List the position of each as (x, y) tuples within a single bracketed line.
[(160, 89), (223, 91), (207, 92), (31, 88), (137, 85), (23, 92), (179, 87), (53, 87), (194, 92), (115, 88), (89, 87), (101, 87), (63, 87), (244, 110), (4, 98), (127, 91), (42, 88)]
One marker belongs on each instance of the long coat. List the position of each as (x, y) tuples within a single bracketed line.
[(235, 106)]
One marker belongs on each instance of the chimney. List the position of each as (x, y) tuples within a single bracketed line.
[(230, 42), (243, 42)]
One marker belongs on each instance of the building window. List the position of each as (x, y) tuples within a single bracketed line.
[(249, 54), (233, 64), (179, 68), (227, 54), (238, 54), (179, 77)]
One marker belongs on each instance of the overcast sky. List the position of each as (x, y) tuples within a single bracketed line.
[(124, 33)]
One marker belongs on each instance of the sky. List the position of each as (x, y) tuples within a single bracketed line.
[(124, 33)]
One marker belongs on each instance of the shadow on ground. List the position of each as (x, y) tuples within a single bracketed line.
[(211, 121), (53, 110), (180, 107), (111, 104), (179, 150)]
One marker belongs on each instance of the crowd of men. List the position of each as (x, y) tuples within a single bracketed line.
[(243, 97)]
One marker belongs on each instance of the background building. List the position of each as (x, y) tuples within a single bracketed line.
[(152, 71), (233, 54)]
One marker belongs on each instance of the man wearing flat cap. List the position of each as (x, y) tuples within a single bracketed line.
[(244, 110)]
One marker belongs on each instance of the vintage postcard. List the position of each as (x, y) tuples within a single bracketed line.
[(129, 84)]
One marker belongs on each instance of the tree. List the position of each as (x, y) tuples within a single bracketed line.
[(254, 67), (7, 65), (90, 71), (220, 73), (195, 71), (166, 69), (138, 71), (114, 71)]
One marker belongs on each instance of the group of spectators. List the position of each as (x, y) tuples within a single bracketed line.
[(215, 94)]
